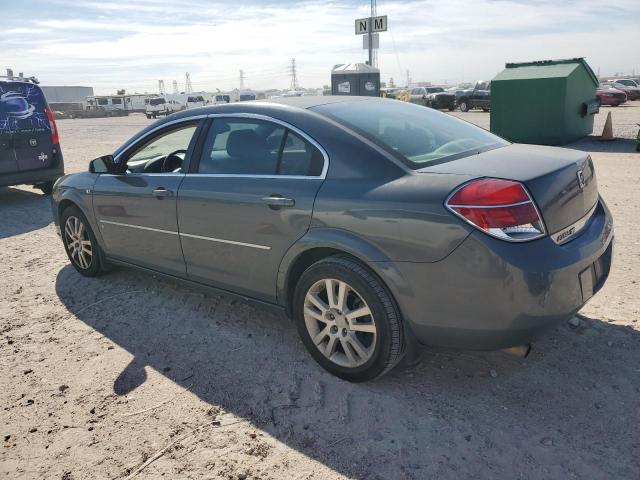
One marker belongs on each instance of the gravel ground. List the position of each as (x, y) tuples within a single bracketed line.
[(102, 377)]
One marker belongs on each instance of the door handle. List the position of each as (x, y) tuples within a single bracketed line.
[(162, 192), (278, 201)]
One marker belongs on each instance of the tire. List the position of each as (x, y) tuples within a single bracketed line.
[(464, 105), (148, 116), (485, 109), (378, 351), (451, 108), (95, 264), (46, 187)]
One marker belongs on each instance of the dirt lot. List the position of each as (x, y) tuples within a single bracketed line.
[(100, 376)]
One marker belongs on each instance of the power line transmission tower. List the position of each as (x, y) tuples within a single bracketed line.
[(294, 75), (161, 89), (175, 87), (408, 78), (187, 83), (241, 79)]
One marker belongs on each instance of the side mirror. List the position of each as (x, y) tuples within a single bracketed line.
[(102, 164)]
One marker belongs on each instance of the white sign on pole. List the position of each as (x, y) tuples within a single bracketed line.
[(375, 41), (370, 25)]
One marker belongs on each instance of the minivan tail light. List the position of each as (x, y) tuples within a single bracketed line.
[(501, 208), (54, 129)]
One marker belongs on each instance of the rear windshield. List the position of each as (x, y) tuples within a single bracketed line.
[(195, 99), (22, 108), (157, 101), (416, 135)]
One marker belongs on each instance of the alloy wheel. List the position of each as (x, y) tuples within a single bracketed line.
[(77, 242), (340, 323)]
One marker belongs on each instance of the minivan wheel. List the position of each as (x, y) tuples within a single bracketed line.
[(46, 187), (348, 320), (80, 242)]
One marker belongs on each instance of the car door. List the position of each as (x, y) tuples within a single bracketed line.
[(246, 201), (136, 209)]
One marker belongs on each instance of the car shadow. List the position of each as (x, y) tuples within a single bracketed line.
[(569, 409), (594, 144), (22, 211)]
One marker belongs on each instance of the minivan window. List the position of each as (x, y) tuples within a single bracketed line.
[(116, 101), (416, 135), (103, 101)]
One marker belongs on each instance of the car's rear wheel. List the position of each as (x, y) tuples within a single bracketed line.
[(80, 243), (348, 320)]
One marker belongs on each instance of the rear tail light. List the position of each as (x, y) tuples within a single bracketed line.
[(501, 208), (54, 129)]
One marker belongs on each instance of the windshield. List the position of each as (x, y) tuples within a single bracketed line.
[(435, 89), (416, 135)]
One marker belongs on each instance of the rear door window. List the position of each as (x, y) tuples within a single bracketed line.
[(238, 146)]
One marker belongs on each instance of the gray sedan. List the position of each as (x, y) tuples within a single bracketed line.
[(377, 225)]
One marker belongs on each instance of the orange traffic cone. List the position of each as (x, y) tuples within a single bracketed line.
[(607, 131)]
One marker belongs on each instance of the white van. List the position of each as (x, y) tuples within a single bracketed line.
[(194, 101), (157, 106)]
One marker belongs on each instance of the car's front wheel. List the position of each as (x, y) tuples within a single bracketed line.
[(464, 106), (348, 320), (80, 243)]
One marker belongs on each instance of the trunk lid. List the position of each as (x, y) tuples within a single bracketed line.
[(561, 181)]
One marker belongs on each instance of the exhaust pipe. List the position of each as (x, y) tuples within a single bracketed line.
[(520, 351)]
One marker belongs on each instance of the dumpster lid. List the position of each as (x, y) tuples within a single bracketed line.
[(354, 67), (545, 69)]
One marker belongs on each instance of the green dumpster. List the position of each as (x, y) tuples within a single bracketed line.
[(549, 102)]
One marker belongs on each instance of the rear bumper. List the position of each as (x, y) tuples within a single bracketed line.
[(489, 294), (32, 177)]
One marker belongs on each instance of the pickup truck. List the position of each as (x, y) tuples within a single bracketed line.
[(477, 97)]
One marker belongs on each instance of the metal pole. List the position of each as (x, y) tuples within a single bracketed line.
[(370, 34)]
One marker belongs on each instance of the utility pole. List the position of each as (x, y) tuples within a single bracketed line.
[(175, 87), (187, 83), (161, 89), (241, 79), (294, 76), (373, 54), (408, 78)]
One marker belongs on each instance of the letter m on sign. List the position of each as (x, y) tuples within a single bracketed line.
[(379, 24)]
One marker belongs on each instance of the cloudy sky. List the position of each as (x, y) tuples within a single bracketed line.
[(130, 44)]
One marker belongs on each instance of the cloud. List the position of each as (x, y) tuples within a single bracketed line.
[(132, 44)]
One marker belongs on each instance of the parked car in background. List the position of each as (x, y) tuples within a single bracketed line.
[(195, 101), (608, 95), (629, 82), (477, 97), (29, 143), (434, 97), (158, 106), (372, 222), (633, 93), (221, 99)]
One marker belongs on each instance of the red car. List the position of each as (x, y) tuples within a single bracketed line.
[(610, 96), (633, 93)]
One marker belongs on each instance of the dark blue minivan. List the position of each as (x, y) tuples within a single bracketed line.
[(29, 146)]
